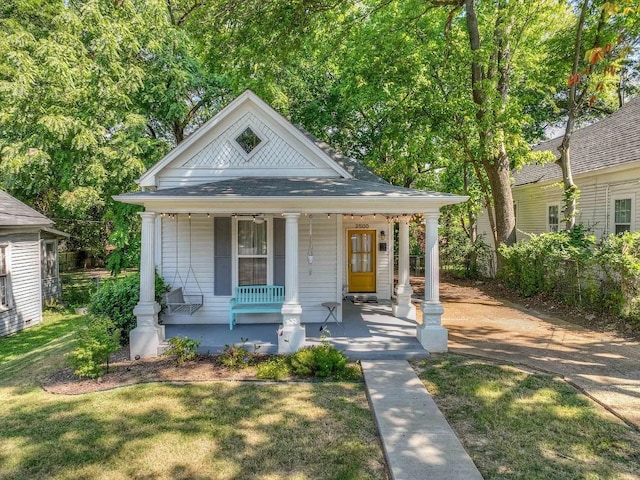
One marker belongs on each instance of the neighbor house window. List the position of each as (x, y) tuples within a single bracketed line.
[(252, 252), (4, 274), (49, 260), (553, 218), (622, 215)]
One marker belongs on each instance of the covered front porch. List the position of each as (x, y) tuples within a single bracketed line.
[(368, 331)]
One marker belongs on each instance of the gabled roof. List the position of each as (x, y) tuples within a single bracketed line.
[(14, 213), (329, 160), (352, 166), (610, 142)]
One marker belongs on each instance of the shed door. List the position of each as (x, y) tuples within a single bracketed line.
[(362, 261)]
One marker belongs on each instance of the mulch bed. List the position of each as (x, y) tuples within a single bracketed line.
[(123, 371)]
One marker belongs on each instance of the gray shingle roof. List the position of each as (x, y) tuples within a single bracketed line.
[(290, 187), (352, 166), (14, 213), (612, 141)]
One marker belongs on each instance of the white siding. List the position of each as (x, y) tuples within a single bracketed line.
[(598, 190), (319, 286), (24, 282), (314, 289), (218, 157), (190, 266)]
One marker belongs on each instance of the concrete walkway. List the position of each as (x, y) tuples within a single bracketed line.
[(417, 440), (605, 366)]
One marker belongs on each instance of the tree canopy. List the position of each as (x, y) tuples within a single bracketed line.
[(445, 95)]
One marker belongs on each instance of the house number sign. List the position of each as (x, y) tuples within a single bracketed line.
[(362, 225)]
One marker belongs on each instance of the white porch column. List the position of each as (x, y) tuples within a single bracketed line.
[(147, 336), (292, 335), (431, 334), (402, 307)]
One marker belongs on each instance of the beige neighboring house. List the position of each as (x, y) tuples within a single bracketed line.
[(605, 159)]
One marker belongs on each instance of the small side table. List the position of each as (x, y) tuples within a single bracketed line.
[(332, 307)]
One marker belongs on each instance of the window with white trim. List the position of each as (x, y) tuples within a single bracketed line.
[(49, 269), (553, 218), (4, 276), (622, 215), (252, 251)]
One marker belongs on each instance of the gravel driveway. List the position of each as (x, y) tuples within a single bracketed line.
[(605, 366)]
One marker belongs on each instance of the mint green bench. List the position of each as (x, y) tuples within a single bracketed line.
[(255, 299)]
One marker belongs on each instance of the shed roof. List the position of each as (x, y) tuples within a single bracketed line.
[(14, 213), (612, 141)]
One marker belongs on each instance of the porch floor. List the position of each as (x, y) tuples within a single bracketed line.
[(368, 332)]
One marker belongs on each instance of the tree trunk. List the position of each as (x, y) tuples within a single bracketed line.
[(499, 175), (571, 192), (491, 135)]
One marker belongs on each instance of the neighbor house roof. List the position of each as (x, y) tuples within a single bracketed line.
[(610, 142), (14, 213)]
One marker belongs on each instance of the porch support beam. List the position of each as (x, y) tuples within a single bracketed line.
[(402, 306), (431, 334), (292, 335), (145, 339)]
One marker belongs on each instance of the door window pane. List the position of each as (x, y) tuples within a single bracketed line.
[(361, 253)]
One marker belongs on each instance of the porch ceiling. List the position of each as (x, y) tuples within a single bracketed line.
[(275, 195)]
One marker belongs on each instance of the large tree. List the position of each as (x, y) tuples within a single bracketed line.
[(395, 83), (91, 94), (599, 44)]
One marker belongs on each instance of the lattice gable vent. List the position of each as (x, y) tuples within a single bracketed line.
[(248, 143)]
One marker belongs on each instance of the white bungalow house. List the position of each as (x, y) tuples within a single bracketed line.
[(28, 264), (605, 159), (250, 199)]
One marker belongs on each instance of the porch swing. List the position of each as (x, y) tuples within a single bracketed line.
[(176, 300)]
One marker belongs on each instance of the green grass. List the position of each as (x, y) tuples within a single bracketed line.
[(518, 425), (224, 430)]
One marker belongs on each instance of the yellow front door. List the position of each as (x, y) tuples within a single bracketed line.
[(362, 261)]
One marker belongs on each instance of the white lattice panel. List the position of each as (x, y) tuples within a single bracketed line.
[(223, 152)]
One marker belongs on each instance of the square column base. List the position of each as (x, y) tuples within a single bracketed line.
[(291, 313), (403, 308), (145, 339), (433, 339), (291, 338), (431, 334)]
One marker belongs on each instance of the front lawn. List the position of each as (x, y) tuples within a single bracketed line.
[(519, 425), (209, 430)]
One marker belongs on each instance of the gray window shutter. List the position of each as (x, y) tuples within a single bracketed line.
[(222, 256), (279, 233)]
